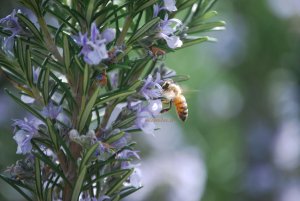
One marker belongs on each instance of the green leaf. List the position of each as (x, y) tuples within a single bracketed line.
[(29, 66), (209, 14), (25, 106), (38, 179), (46, 86), (30, 26), (206, 5), (90, 11), (117, 198), (103, 176), (190, 42), (67, 55), (52, 134), (115, 137), (186, 4), (39, 154), (79, 183), (85, 79), (13, 184), (106, 98), (80, 65), (88, 109), (143, 30), (20, 53), (146, 5), (88, 155), (75, 15), (65, 88), (209, 26), (65, 21), (119, 183), (129, 192)]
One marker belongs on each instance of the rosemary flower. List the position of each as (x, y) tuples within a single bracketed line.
[(94, 48)]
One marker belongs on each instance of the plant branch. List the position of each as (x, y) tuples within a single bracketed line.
[(50, 44), (126, 26)]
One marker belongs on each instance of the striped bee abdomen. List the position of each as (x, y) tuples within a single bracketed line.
[(181, 107)]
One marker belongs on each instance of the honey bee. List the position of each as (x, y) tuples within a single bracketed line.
[(172, 93)]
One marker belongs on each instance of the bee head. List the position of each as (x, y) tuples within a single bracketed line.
[(166, 84)]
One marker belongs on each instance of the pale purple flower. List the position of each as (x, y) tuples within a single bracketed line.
[(156, 10), (151, 88), (155, 107), (135, 178), (122, 142), (167, 30), (27, 99), (23, 139), (26, 130), (94, 48), (170, 5), (146, 114), (143, 121), (109, 35), (51, 111), (128, 155), (172, 41), (11, 23)]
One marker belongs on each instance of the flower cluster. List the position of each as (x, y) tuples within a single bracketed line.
[(168, 27), (94, 47), (10, 23), (87, 85)]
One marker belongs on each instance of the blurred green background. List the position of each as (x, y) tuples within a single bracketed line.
[(242, 139)]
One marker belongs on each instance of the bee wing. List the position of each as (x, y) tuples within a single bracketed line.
[(178, 78)]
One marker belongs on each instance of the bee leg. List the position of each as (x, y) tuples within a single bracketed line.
[(165, 101), (167, 109)]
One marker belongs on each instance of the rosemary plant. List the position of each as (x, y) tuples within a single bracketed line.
[(89, 72)]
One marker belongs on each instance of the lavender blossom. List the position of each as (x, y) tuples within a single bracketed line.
[(122, 142), (170, 5), (167, 29), (27, 99), (11, 24), (26, 130), (156, 10), (145, 115), (109, 35), (155, 107), (127, 155), (51, 111), (151, 88), (94, 48), (135, 178)]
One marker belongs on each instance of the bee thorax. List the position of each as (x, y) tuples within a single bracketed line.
[(170, 95)]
